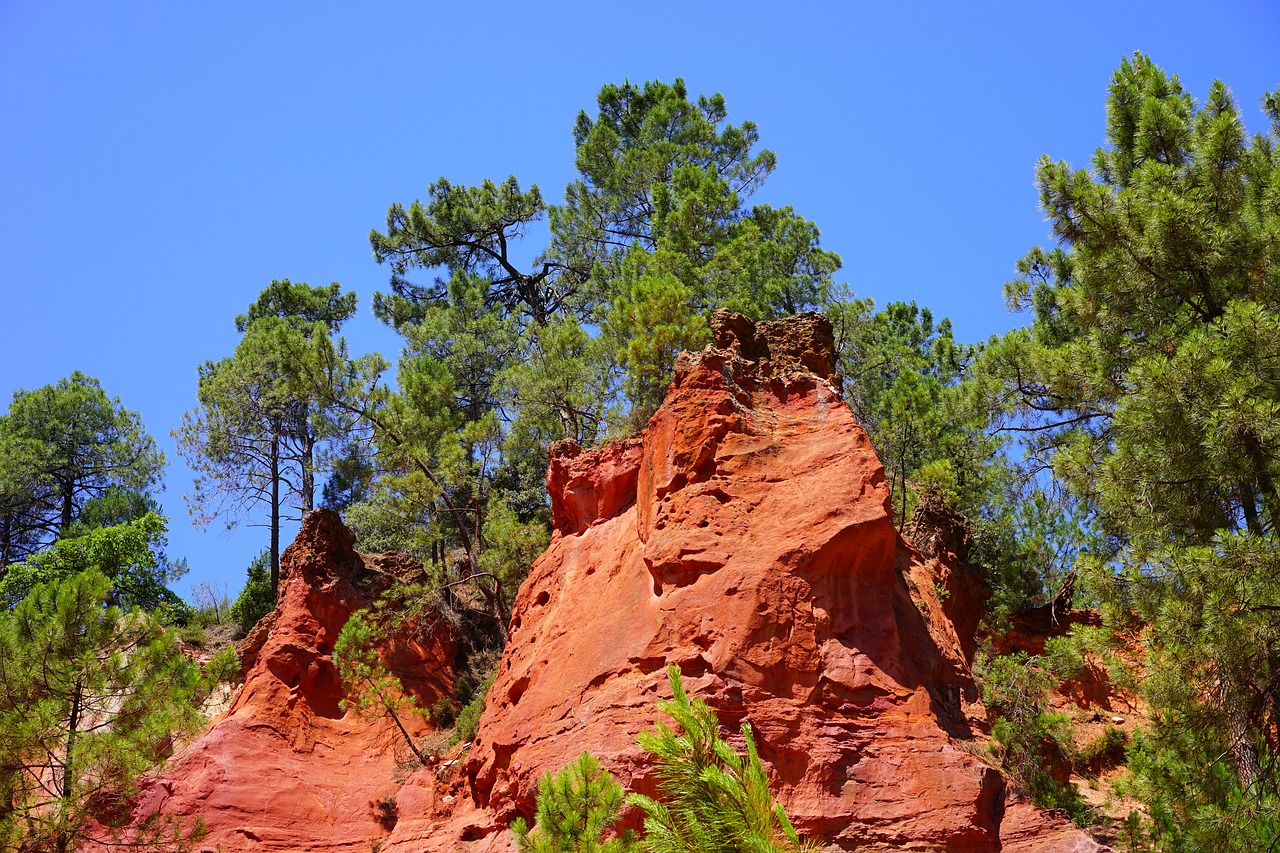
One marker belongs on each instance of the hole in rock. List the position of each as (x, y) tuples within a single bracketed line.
[(543, 598), (517, 690)]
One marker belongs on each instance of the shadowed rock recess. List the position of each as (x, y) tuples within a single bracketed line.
[(746, 537)]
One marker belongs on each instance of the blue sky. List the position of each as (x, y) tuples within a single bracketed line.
[(163, 162)]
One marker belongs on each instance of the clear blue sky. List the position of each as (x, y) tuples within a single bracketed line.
[(164, 161)]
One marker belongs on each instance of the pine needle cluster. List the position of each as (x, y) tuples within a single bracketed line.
[(714, 800), (576, 807)]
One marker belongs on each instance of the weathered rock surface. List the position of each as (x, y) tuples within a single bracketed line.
[(286, 769), (745, 537)]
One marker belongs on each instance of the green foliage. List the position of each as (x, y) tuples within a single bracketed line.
[(501, 357), (224, 667), (712, 798), (92, 699), (902, 371), (931, 408), (464, 229), (1144, 383), (467, 722), (1107, 748), (442, 712), (575, 808), (301, 306), (125, 553), (652, 320), (1030, 739), (256, 598), (1193, 797), (371, 689), (351, 476), (513, 545), (254, 439), (60, 446)]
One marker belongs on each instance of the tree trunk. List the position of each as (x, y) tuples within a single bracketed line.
[(1240, 740), (308, 472), (68, 779), (68, 506), (391, 710), (6, 543), (275, 515)]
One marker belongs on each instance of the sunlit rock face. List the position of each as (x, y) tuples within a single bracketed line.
[(744, 536), (286, 769)]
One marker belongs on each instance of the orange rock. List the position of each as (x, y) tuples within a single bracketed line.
[(286, 769), (746, 537)]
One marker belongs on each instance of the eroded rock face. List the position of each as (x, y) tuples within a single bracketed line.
[(746, 538), (286, 769)]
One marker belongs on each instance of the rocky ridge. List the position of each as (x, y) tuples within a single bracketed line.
[(286, 769), (744, 536)]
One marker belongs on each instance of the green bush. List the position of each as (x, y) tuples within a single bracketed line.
[(223, 667), (713, 800), (576, 807), (256, 599), (442, 713), (1029, 740), (468, 720), (1107, 748), (191, 635)]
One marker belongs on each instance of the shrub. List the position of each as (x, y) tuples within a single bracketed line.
[(1106, 749), (223, 667), (1031, 743), (468, 720), (713, 799), (442, 713), (256, 599), (575, 808)]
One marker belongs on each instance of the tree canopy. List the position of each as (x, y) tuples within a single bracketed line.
[(255, 436), (1146, 382), (92, 698), (60, 446)]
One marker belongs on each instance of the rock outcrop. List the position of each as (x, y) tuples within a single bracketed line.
[(745, 537), (286, 769)]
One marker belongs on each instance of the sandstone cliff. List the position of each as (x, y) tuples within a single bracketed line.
[(285, 769), (744, 536)]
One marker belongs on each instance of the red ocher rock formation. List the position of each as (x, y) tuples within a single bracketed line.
[(744, 536), (285, 769)]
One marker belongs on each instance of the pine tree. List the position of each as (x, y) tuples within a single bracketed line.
[(372, 691), (253, 439), (60, 446), (92, 698), (575, 808), (1147, 382), (712, 799)]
